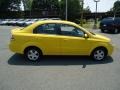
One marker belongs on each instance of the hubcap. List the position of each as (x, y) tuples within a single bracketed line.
[(33, 55), (99, 55)]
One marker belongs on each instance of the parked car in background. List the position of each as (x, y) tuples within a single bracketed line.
[(11, 22), (5, 21), (0, 22), (55, 18), (30, 22), (39, 19), (110, 25), (22, 22), (57, 37), (19, 21)]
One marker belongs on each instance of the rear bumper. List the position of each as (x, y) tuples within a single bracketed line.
[(15, 48)]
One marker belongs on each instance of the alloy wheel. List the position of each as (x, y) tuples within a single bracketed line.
[(99, 54), (33, 55)]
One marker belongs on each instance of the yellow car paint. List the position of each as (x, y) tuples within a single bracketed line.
[(57, 44)]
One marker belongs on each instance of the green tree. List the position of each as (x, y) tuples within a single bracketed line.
[(4, 4), (74, 9), (27, 4), (45, 5), (116, 7), (87, 10), (1, 1), (10, 5), (14, 5)]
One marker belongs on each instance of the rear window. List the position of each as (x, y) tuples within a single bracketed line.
[(107, 21), (111, 20), (46, 29), (117, 20)]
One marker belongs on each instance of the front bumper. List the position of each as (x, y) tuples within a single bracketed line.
[(110, 49)]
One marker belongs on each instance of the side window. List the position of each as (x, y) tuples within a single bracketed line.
[(46, 29), (117, 20), (71, 31)]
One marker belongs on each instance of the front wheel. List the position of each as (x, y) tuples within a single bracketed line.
[(116, 31), (33, 54), (99, 54)]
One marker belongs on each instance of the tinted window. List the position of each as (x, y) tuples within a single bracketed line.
[(71, 31), (46, 28), (117, 20), (107, 20)]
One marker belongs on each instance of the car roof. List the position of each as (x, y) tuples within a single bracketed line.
[(111, 18), (30, 27), (106, 20), (55, 21)]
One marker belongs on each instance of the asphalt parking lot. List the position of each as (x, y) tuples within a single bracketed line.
[(58, 73)]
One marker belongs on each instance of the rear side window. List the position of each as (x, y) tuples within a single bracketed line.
[(46, 29), (107, 21), (117, 20)]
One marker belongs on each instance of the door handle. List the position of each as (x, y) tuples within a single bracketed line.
[(66, 39)]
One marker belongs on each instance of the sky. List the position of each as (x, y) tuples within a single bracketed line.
[(103, 5)]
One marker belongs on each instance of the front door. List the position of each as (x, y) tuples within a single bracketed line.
[(72, 41), (48, 39)]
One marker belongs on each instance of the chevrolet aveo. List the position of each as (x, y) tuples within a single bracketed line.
[(57, 37)]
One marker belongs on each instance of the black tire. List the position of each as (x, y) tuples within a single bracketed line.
[(33, 54), (115, 31), (102, 30), (99, 54)]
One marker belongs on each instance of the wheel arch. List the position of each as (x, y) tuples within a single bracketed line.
[(31, 44), (28, 47), (99, 47)]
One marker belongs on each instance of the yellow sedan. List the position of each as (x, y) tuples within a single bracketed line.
[(57, 37)]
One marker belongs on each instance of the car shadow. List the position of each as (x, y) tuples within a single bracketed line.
[(17, 59)]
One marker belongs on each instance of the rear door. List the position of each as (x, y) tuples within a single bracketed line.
[(48, 39)]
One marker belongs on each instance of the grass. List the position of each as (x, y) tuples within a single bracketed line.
[(90, 25)]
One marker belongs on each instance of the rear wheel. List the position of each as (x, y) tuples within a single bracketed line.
[(99, 54), (33, 54), (102, 30)]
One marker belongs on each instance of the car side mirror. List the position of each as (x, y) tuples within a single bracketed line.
[(86, 36)]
